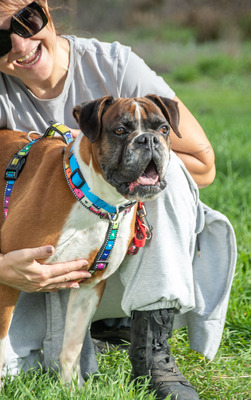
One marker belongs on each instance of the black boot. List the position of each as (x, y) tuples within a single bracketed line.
[(150, 354)]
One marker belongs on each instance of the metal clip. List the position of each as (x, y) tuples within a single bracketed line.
[(142, 211), (114, 217)]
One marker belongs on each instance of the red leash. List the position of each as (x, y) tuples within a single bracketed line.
[(143, 231)]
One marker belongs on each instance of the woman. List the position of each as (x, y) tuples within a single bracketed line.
[(43, 76)]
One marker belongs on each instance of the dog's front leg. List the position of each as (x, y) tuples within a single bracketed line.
[(8, 299), (81, 308)]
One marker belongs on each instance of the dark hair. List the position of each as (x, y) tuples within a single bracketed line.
[(10, 6)]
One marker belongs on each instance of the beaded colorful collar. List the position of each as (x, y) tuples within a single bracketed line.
[(82, 192)]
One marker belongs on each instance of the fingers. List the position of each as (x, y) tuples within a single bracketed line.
[(61, 286), (69, 278), (64, 269), (27, 256), (75, 132), (55, 283), (70, 281), (63, 275), (48, 270), (37, 253), (25, 273)]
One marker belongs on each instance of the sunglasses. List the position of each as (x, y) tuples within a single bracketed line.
[(26, 23)]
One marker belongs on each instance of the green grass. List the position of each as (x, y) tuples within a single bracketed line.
[(219, 96), (222, 106)]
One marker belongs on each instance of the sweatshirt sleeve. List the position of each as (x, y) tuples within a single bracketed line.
[(139, 80)]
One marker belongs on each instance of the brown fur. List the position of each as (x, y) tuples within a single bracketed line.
[(44, 178)]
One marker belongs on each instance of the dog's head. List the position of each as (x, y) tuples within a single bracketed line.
[(130, 141)]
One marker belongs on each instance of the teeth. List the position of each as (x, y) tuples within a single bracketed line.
[(33, 62), (22, 59)]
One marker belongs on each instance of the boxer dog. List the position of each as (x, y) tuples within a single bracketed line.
[(85, 206)]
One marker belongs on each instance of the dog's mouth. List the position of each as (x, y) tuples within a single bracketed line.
[(150, 177), (145, 185)]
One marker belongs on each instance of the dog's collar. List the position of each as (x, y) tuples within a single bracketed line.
[(82, 192)]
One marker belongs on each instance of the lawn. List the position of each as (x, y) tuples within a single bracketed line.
[(217, 90)]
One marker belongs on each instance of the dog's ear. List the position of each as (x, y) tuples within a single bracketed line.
[(170, 110), (89, 116)]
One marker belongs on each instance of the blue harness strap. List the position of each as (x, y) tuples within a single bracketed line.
[(78, 181)]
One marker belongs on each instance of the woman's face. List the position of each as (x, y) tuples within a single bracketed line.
[(30, 59)]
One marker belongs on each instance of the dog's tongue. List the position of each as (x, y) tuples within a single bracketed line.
[(149, 179)]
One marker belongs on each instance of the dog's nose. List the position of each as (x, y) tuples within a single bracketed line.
[(148, 140)]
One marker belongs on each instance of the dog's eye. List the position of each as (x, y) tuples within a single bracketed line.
[(120, 131), (164, 129)]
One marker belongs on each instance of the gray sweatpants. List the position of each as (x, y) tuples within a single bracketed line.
[(159, 276)]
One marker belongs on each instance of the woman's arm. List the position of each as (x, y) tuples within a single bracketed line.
[(20, 270), (194, 148)]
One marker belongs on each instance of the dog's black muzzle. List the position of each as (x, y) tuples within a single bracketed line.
[(142, 167)]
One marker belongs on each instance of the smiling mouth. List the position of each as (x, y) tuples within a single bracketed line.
[(30, 58), (150, 177)]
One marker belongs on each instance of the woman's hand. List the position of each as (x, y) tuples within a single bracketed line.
[(75, 132), (20, 270)]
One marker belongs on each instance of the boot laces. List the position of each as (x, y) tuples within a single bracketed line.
[(159, 330), (161, 364)]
